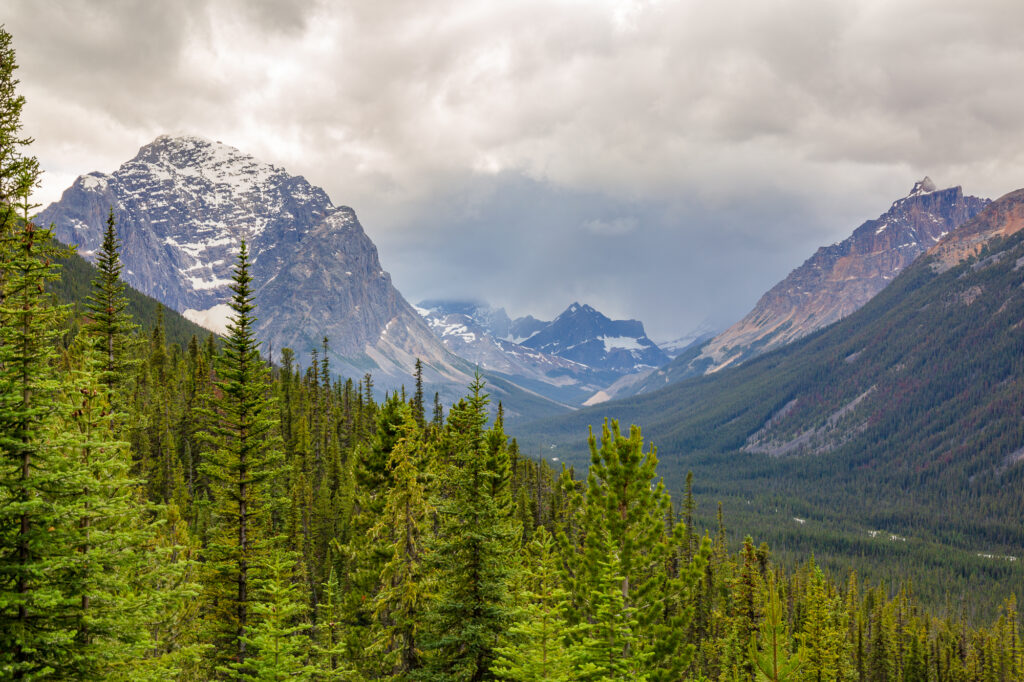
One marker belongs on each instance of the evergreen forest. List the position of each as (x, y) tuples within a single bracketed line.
[(177, 507)]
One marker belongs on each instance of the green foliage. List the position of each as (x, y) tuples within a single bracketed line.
[(771, 652), (538, 646), (863, 427), (110, 326), (401, 603), (242, 466), (473, 550), (171, 510)]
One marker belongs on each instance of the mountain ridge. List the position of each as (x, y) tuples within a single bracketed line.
[(834, 282)]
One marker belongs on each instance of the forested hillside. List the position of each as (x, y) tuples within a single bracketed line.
[(73, 287), (884, 423)]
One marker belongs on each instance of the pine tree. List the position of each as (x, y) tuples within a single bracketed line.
[(624, 513), (822, 637), (770, 651), (609, 649), (535, 647), (242, 465)]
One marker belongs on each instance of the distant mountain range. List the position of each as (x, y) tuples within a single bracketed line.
[(184, 204), (567, 359), (831, 284)]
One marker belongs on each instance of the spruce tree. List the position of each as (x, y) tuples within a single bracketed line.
[(36, 524), (473, 551), (278, 639), (242, 465), (110, 325), (417, 397), (400, 605)]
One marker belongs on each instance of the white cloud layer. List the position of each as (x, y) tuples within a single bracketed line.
[(704, 148)]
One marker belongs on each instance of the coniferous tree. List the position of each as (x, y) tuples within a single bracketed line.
[(610, 649), (36, 525), (770, 651), (473, 550), (417, 397), (278, 638), (401, 603), (110, 325), (242, 464), (535, 647)]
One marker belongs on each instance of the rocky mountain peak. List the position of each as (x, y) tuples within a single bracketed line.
[(184, 203), (838, 279), (923, 187), (585, 335)]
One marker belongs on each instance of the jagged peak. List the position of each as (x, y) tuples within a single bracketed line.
[(923, 186), (577, 307)]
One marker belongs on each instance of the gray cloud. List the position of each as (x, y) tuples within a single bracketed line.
[(709, 147)]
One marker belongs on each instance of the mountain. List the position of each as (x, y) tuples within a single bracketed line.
[(695, 337), (479, 334), (569, 359), (74, 286), (184, 204), (904, 417), (584, 335), (834, 282)]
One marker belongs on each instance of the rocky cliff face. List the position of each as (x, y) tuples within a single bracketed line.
[(184, 204), (835, 281), (1001, 218)]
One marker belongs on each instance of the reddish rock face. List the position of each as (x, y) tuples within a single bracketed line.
[(1001, 218), (839, 279), (836, 281)]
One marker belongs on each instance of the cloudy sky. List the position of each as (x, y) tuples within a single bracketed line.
[(668, 161)]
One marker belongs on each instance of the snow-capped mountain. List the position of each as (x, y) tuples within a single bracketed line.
[(834, 282), (584, 335), (695, 337), (481, 335), (569, 359), (184, 204)]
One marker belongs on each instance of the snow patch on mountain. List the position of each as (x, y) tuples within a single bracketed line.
[(215, 319)]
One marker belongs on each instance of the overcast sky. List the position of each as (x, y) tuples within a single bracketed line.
[(668, 161)]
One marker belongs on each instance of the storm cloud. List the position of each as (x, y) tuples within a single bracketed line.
[(662, 160)]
